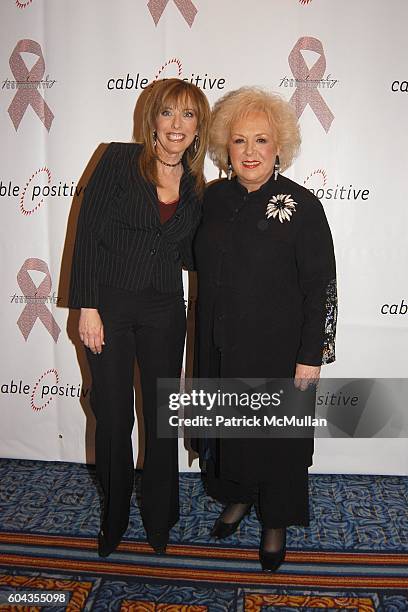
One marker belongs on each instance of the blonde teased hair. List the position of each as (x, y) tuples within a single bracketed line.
[(174, 92), (238, 104)]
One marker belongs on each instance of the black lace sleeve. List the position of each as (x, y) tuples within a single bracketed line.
[(329, 347), (317, 279)]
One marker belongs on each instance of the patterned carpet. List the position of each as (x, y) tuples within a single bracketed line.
[(354, 556)]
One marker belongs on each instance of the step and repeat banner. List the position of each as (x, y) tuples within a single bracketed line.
[(71, 73)]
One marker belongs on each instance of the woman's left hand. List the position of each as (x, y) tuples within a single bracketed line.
[(306, 375)]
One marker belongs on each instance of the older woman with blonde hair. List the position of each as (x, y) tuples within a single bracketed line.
[(266, 305)]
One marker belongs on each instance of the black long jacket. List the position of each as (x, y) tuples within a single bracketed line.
[(266, 301)]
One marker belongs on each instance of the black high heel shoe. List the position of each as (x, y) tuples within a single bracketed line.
[(270, 561), (222, 530), (158, 540), (104, 548)]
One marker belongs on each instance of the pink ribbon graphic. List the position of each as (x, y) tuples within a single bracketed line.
[(186, 8), (36, 309), (306, 89), (26, 84)]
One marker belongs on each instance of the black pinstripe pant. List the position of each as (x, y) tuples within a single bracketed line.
[(150, 326)]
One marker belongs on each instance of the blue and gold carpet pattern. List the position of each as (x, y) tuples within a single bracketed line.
[(354, 556)]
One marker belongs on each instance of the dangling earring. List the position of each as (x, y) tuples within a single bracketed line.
[(196, 143), (276, 168), (229, 169), (154, 138)]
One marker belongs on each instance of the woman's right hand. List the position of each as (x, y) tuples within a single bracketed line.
[(91, 329)]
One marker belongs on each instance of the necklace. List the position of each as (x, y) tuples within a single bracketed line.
[(166, 164)]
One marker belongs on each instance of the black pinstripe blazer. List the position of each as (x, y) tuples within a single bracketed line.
[(120, 240)]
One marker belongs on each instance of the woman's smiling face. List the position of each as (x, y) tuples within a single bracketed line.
[(252, 150), (176, 127)]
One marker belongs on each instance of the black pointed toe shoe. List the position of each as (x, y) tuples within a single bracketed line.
[(104, 547), (223, 530), (158, 540), (271, 561)]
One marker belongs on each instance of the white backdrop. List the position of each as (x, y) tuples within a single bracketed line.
[(92, 60)]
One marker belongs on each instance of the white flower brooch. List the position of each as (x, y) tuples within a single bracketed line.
[(281, 206)]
